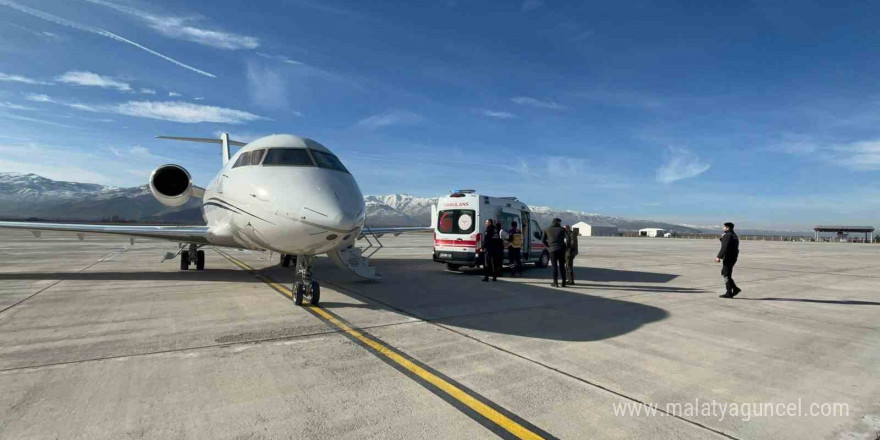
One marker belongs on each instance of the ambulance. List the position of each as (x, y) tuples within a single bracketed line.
[(458, 224)]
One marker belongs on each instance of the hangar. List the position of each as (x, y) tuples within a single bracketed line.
[(651, 232), (595, 229), (842, 231)]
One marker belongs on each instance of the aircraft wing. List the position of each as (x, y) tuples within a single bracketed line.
[(189, 234), (395, 231)]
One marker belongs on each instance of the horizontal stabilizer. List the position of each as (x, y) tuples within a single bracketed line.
[(203, 140)]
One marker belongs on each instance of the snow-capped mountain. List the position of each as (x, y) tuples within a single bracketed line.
[(406, 210), (31, 196)]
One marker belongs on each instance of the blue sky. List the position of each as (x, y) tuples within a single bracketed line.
[(763, 113)]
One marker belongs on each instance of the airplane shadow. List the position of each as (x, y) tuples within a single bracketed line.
[(425, 290), (229, 275), (818, 301)]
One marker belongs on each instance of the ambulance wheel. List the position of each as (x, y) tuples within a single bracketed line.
[(314, 293), (452, 267), (543, 261), (200, 260), (299, 292), (184, 260)]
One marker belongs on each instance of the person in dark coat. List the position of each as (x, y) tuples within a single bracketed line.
[(498, 249), (571, 251), (490, 234), (554, 239), (728, 255)]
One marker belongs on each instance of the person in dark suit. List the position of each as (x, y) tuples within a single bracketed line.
[(571, 251), (497, 249), (490, 234), (554, 239), (728, 255)]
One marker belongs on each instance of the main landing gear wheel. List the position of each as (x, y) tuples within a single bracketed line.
[(184, 260), (314, 293), (285, 260), (299, 292), (200, 260)]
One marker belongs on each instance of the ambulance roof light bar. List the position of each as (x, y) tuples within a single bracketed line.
[(464, 191)]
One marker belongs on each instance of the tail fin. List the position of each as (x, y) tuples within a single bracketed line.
[(224, 141)]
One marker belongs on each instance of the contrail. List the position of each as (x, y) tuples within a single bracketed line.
[(104, 33)]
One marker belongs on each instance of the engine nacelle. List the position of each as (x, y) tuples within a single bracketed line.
[(171, 185)]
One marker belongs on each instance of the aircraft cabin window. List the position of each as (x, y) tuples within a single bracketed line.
[(288, 157), (327, 160), (257, 156), (243, 159)]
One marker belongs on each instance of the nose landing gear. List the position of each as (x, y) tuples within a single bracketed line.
[(192, 256), (305, 287)]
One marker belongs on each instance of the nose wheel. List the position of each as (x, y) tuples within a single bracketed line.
[(305, 287)]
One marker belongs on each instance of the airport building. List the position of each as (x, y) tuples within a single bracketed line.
[(842, 232), (595, 230), (651, 232)]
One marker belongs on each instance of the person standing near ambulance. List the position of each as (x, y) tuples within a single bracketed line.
[(514, 249), (490, 236), (554, 239), (571, 250)]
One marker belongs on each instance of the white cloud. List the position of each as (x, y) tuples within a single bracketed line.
[(496, 114), (681, 164), (98, 31), (4, 77), (281, 58), (174, 94), (90, 79), (266, 87), (39, 98), (564, 166), (584, 35), (199, 98), (148, 91), (179, 27), (525, 100), (396, 117), (37, 121), (74, 164), (175, 111), (625, 98), (137, 152), (183, 112), (859, 156), (304, 70), (14, 106), (530, 5)]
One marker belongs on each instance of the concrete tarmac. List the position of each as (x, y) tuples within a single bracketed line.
[(100, 340)]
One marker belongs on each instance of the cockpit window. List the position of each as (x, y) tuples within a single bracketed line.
[(257, 156), (243, 159), (288, 157), (327, 160)]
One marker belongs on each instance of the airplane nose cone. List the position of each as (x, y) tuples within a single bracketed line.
[(340, 201)]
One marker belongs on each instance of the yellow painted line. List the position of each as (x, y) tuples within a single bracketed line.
[(458, 394)]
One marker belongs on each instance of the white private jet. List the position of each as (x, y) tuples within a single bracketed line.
[(280, 193)]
